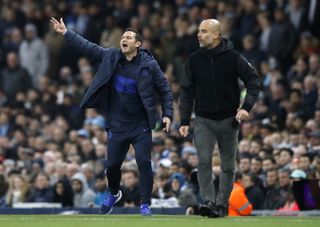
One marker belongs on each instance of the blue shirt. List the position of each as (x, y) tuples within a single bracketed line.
[(125, 102)]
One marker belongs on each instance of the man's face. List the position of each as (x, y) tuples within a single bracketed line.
[(267, 164), (285, 158), (304, 163), (244, 165), (207, 35), (129, 179), (42, 182), (128, 43), (256, 166), (272, 178), (284, 179), (246, 181), (76, 186)]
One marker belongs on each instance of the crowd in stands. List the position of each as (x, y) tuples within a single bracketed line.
[(51, 151)]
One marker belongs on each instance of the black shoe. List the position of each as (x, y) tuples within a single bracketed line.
[(222, 211), (207, 208)]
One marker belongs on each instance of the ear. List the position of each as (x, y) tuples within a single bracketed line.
[(138, 44), (216, 35)]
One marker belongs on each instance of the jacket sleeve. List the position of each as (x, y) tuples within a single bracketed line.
[(187, 94), (239, 202), (251, 81), (163, 89), (82, 45)]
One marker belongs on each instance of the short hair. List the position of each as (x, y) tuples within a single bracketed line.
[(288, 150), (269, 158), (138, 37), (285, 170), (253, 177), (307, 156), (257, 158)]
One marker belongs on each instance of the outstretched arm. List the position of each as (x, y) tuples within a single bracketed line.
[(76, 41)]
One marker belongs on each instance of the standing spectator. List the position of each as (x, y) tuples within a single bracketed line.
[(282, 39), (217, 113), (33, 55), (14, 78), (312, 17), (125, 87)]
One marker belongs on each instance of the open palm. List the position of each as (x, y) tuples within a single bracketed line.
[(59, 27)]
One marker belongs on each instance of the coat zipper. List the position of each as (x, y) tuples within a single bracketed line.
[(214, 86)]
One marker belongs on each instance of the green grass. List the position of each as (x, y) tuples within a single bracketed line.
[(154, 221)]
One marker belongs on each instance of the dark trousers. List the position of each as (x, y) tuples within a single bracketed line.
[(120, 136)]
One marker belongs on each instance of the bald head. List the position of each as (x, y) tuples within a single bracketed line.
[(209, 33), (213, 24)]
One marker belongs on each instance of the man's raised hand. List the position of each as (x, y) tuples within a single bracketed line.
[(59, 27)]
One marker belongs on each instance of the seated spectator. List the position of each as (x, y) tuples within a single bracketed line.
[(42, 191), (3, 189), (63, 193), (100, 189), (19, 190), (83, 195), (239, 205), (272, 193), (130, 189), (253, 192)]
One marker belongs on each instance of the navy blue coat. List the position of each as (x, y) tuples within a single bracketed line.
[(97, 94)]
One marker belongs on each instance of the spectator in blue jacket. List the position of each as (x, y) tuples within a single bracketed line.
[(124, 88)]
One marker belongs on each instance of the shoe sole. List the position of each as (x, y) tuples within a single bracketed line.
[(111, 209)]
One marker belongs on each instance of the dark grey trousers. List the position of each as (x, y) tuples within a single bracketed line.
[(206, 134)]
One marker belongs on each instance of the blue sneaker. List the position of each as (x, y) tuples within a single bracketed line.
[(107, 205), (145, 210)]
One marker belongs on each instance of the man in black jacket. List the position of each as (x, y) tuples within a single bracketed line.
[(211, 80)]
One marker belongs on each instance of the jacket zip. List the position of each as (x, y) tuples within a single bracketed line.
[(214, 86)]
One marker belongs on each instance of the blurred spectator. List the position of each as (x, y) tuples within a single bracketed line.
[(88, 171), (239, 205), (41, 191), (63, 193), (3, 190), (130, 188), (272, 192), (282, 39), (83, 195), (100, 189), (253, 192), (14, 78), (33, 55), (312, 17), (19, 190)]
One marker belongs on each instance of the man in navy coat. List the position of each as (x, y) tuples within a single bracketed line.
[(124, 88)]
